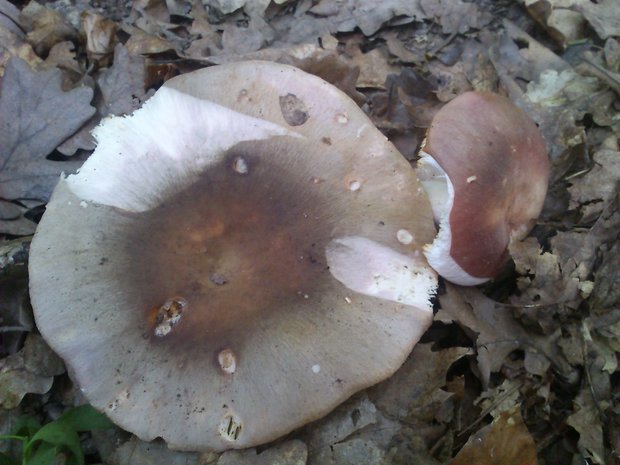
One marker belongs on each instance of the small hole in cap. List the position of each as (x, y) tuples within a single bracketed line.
[(240, 166), (230, 427)]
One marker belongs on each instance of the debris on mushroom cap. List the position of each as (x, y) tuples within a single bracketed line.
[(226, 283), (485, 168)]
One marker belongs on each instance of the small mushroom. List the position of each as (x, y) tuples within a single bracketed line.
[(234, 260), (485, 168)]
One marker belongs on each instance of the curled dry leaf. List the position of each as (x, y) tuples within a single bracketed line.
[(143, 43), (45, 27), (36, 116), (566, 20), (563, 24), (99, 33)]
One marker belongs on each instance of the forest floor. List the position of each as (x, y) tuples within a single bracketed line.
[(521, 370)]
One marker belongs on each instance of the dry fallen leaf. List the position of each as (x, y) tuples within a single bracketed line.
[(142, 43), (13, 220), (287, 453), (519, 55), (9, 17), (374, 68), (15, 312), (603, 16), (121, 92), (455, 16), (45, 27), (330, 16), (554, 110), (562, 23), (135, 451), (348, 418), (561, 325), (606, 290), (14, 45), (62, 55), (591, 192), (497, 333), (36, 116), (452, 79), (355, 451), (100, 34), (31, 370), (586, 421), (506, 441), (238, 40), (411, 389), (541, 278), (122, 85)]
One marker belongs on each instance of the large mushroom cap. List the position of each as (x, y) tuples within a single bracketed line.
[(486, 169), (234, 260)]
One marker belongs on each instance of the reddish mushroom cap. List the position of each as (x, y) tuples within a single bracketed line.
[(485, 167)]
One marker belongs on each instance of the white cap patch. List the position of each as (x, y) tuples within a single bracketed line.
[(143, 158)]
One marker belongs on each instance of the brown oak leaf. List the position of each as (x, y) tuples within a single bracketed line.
[(35, 116)]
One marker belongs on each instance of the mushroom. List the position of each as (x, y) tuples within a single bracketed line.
[(485, 168), (234, 260)]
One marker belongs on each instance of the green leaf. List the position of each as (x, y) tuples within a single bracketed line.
[(44, 455), (26, 425), (85, 418), (59, 434)]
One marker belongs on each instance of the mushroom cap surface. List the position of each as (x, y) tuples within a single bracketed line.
[(495, 170), (234, 260)]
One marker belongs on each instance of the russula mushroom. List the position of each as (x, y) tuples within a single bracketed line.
[(234, 259), (485, 168)]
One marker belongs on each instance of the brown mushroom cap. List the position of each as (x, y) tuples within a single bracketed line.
[(234, 260), (491, 160)]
